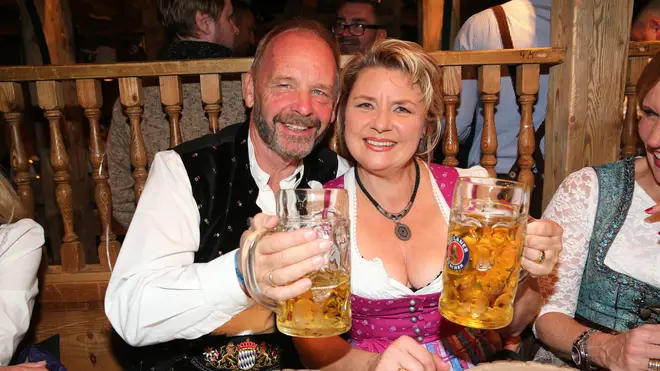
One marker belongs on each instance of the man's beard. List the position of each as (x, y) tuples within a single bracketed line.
[(268, 133)]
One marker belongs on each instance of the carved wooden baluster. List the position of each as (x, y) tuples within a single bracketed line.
[(527, 85), (170, 95), (130, 93), (12, 106), (629, 136), (51, 100), (451, 90), (91, 99), (489, 87), (211, 98)]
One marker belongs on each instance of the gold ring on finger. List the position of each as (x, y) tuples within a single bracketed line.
[(654, 364), (402, 369), (541, 258), (270, 279)]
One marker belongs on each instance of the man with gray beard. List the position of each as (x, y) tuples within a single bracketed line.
[(178, 282)]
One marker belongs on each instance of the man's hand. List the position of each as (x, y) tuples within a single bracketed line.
[(282, 259)]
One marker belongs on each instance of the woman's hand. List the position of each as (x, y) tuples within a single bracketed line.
[(407, 354), (627, 351), (542, 247)]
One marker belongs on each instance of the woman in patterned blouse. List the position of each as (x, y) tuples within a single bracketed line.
[(610, 218)]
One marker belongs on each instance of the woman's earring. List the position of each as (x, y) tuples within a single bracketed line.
[(421, 147)]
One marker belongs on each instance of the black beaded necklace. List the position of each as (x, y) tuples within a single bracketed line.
[(401, 230)]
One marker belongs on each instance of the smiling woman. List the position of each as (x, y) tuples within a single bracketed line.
[(611, 241), (389, 120), (408, 82)]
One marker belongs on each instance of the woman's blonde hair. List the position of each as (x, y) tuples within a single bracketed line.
[(11, 208), (406, 57)]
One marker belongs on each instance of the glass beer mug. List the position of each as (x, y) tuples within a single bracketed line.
[(484, 250), (325, 309)]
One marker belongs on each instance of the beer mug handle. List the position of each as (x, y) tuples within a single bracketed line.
[(251, 275)]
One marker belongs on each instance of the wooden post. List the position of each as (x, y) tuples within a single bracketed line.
[(451, 90), (56, 19), (12, 107), (131, 96), (91, 99), (430, 17), (585, 95), (58, 30), (527, 86), (211, 91), (170, 96), (455, 21), (489, 87), (51, 101)]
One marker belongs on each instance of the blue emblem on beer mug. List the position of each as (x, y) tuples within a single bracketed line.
[(458, 253)]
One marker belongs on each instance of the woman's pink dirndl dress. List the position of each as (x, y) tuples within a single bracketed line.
[(378, 322)]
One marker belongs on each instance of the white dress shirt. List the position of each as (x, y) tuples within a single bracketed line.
[(529, 22), (156, 292), (20, 255)]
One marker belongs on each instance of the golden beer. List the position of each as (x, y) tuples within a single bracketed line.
[(325, 309), (484, 249), (322, 311)]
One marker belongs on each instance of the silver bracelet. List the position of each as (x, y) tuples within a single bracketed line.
[(585, 351)]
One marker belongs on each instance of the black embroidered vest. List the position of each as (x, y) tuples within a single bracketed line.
[(226, 194)]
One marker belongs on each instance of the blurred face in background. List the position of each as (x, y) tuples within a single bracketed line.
[(219, 30), (356, 28), (244, 43)]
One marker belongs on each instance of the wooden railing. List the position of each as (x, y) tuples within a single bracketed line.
[(52, 83), (76, 284)]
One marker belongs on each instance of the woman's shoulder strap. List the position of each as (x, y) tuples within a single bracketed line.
[(335, 183)]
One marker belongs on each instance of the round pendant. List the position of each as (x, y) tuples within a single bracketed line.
[(402, 231)]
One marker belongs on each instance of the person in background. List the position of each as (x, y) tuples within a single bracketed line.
[(244, 43), (21, 240), (200, 29), (602, 307), (646, 27), (528, 22), (179, 274), (358, 25)]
